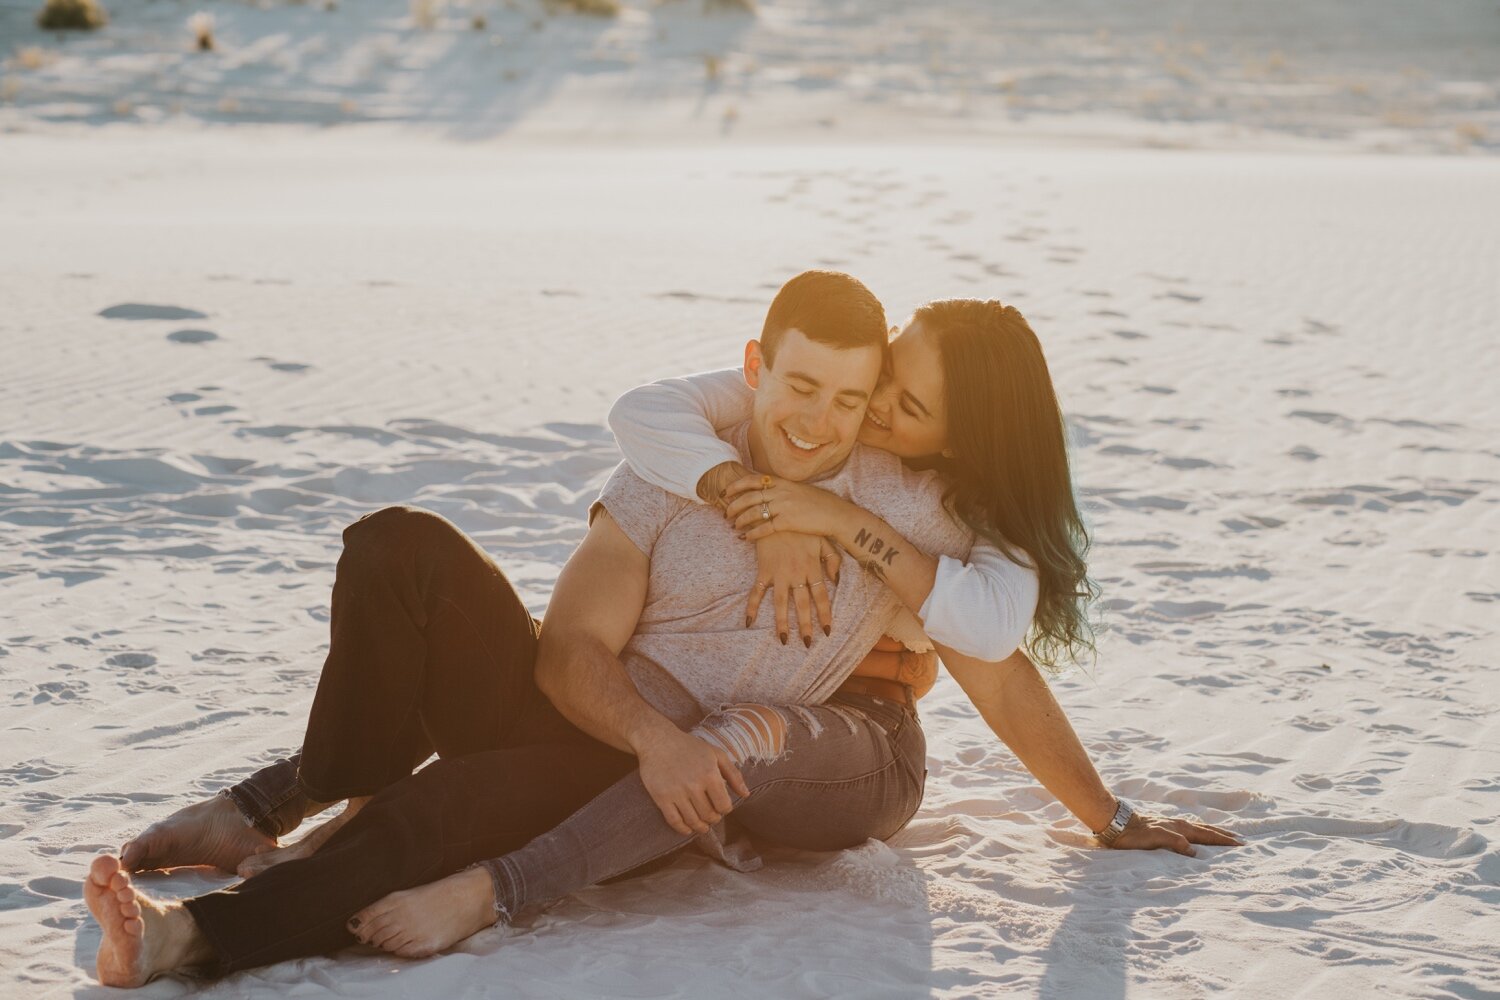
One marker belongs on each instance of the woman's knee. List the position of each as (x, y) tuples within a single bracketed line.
[(747, 733)]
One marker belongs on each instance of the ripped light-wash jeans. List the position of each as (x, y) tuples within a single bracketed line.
[(822, 778)]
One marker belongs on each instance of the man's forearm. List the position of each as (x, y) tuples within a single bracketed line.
[(1019, 708), (588, 685)]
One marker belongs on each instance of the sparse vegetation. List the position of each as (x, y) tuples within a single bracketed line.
[(712, 68), (72, 15), (202, 26), (590, 8), (9, 88), (33, 57), (424, 13), (1471, 132), (729, 6)]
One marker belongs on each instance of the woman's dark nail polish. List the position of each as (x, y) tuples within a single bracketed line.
[(783, 637), (354, 922), (747, 621), (828, 630), (807, 641)]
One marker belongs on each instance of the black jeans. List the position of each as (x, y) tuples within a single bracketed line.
[(431, 650)]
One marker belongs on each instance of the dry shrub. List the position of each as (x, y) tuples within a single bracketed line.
[(33, 57), (1470, 132), (712, 68), (479, 22), (592, 8), (729, 6), (424, 13), (10, 87), (202, 27), (72, 15)]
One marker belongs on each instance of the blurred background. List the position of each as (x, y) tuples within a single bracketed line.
[(1389, 75)]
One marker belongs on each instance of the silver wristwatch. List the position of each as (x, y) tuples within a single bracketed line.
[(1111, 833)]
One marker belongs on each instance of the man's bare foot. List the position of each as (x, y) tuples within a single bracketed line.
[(269, 856), (205, 833), (415, 923), (142, 938)]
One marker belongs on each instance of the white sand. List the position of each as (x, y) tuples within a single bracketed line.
[(1279, 371)]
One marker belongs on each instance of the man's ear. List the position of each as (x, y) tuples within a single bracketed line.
[(755, 364)]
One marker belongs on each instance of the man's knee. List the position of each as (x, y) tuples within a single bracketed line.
[(390, 528), (747, 733)]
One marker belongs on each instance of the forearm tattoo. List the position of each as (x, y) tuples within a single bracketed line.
[(875, 554)]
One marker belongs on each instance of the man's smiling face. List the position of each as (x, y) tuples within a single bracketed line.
[(809, 403)]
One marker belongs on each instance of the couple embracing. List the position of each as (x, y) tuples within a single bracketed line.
[(733, 654)]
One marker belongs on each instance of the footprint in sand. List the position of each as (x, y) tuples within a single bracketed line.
[(282, 366), (132, 661), (192, 336), (137, 310)]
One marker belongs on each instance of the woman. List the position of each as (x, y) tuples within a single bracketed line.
[(970, 388)]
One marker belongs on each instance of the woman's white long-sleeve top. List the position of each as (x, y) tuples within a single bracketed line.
[(667, 431)]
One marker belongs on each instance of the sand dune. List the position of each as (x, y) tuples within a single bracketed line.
[(1277, 375), (229, 328)]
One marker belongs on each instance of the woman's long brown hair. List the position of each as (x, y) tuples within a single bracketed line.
[(1007, 463)]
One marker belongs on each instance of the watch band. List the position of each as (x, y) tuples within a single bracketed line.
[(1111, 833)]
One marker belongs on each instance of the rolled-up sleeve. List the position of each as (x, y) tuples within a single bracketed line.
[(982, 608)]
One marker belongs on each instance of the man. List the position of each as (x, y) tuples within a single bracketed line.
[(651, 639)]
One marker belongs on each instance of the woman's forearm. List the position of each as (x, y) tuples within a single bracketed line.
[(880, 549), (1018, 706)]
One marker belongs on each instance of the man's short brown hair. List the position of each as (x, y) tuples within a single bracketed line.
[(829, 307)]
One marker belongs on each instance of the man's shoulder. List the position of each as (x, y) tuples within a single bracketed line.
[(871, 469), (641, 508), (912, 502)]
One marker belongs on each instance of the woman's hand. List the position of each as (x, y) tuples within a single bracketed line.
[(790, 506), (793, 566), (1145, 832)]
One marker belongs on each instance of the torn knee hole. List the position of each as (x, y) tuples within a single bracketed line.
[(746, 732)]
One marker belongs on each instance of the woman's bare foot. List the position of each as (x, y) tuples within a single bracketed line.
[(269, 856), (423, 921), (142, 938), (205, 833)]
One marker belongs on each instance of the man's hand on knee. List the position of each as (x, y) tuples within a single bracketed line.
[(689, 781)]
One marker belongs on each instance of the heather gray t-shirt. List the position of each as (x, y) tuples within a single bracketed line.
[(691, 653)]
